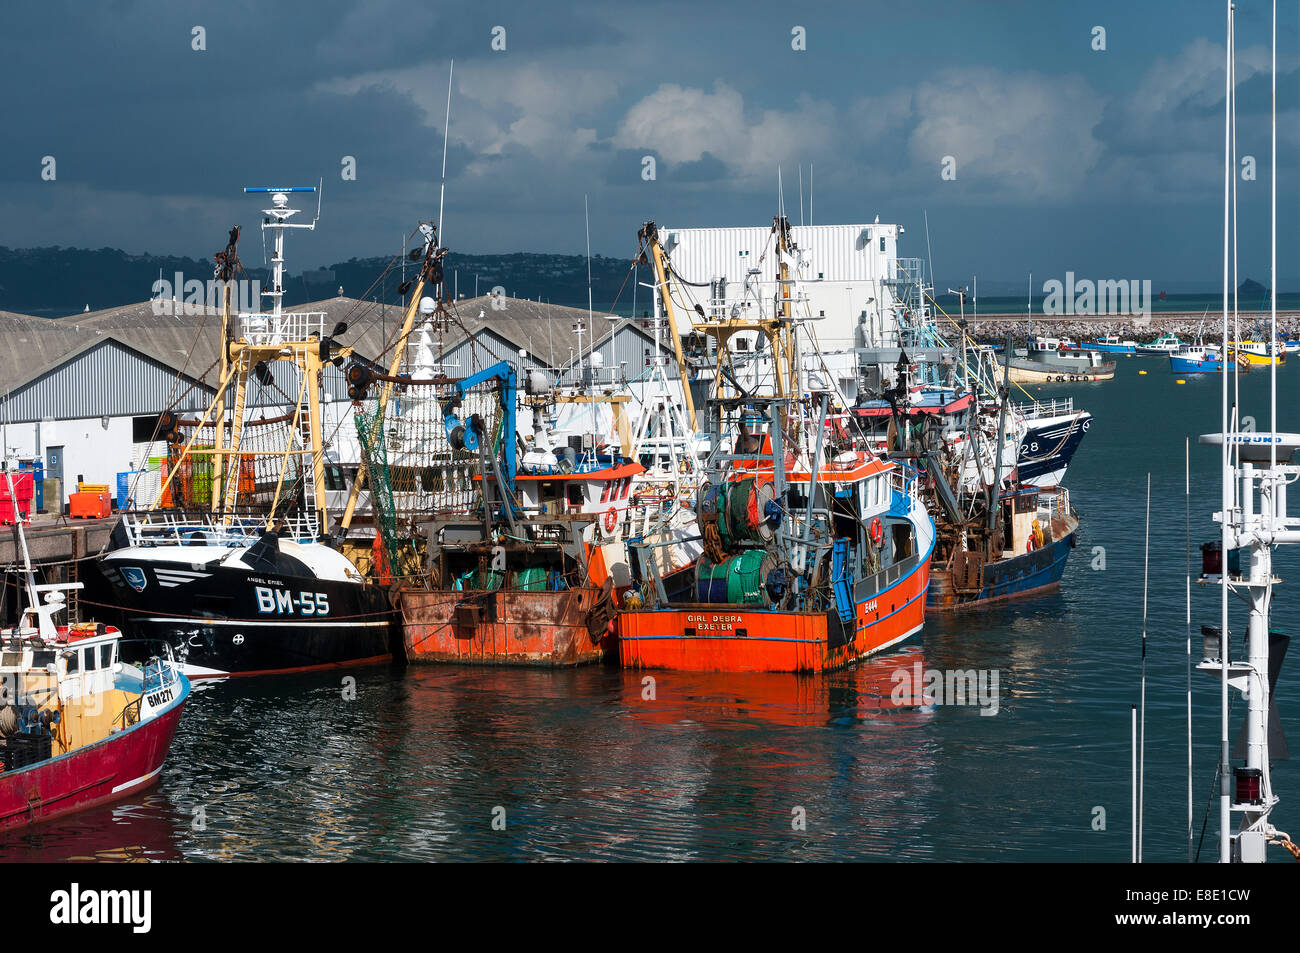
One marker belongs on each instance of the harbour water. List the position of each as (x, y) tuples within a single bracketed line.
[(418, 764)]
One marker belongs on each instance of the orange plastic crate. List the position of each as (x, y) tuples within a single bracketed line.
[(91, 506)]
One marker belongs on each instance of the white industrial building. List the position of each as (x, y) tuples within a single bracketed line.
[(849, 289), (847, 275)]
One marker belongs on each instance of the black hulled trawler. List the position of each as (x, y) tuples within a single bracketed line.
[(229, 562)]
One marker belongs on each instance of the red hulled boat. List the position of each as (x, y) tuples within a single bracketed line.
[(85, 717)]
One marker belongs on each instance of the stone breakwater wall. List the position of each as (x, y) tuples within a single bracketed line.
[(993, 328)]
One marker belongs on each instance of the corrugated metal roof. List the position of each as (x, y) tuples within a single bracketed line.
[(52, 357), (103, 378)]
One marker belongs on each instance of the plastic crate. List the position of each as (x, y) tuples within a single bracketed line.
[(92, 506), (27, 748), (124, 481), (18, 505)]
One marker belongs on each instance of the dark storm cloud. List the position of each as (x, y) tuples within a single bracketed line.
[(153, 139)]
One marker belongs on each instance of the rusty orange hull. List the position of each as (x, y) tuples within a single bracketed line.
[(504, 627), (722, 638)]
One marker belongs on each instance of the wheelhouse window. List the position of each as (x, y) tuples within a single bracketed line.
[(334, 479)]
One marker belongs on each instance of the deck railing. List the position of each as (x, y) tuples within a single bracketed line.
[(288, 326), (1045, 408), (159, 527)]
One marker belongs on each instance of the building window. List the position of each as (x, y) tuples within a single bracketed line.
[(145, 429)]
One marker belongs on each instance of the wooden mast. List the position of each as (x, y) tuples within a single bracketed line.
[(432, 255), (227, 265), (650, 234)]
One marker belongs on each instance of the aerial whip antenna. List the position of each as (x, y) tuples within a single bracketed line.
[(446, 129)]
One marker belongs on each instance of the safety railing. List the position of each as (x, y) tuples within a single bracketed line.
[(1045, 408), (158, 527), (288, 326)]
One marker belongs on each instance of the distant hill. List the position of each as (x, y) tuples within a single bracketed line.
[(1251, 290), (59, 281)]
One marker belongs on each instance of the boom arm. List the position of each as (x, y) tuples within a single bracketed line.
[(467, 437)]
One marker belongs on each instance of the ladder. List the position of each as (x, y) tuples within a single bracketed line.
[(307, 462), (234, 465)]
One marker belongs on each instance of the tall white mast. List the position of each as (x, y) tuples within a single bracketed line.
[(1253, 520), (276, 221), (1225, 808)]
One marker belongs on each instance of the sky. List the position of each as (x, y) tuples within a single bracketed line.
[(1061, 157)]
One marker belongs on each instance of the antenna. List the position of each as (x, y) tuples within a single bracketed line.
[(928, 254), (1142, 734), (446, 130), (591, 329), (1187, 497), (1225, 806), (1133, 773), (801, 192), (1272, 349)]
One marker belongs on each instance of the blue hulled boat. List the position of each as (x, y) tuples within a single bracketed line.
[(1196, 359)]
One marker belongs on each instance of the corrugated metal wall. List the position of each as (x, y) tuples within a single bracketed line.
[(627, 351), (835, 252), (482, 351), (108, 380), (844, 267)]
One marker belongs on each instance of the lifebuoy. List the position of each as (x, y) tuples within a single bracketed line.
[(1029, 544), (611, 519), (877, 531)]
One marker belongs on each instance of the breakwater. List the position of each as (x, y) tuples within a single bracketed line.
[(994, 328)]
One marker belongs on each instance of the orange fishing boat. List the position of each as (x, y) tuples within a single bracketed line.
[(862, 589), (497, 550), (816, 551)]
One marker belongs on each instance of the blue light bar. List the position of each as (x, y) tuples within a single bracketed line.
[(295, 188)]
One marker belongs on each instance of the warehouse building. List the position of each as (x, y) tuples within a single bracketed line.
[(82, 394)]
